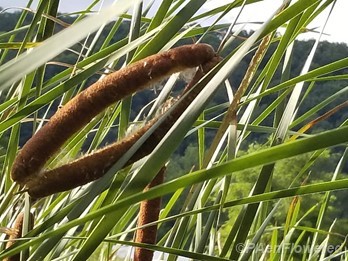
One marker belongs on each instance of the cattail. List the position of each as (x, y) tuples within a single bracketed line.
[(87, 104), (95, 165), (17, 233), (149, 212)]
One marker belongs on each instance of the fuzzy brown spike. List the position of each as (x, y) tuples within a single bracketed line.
[(83, 107), (95, 165), (149, 212), (18, 228)]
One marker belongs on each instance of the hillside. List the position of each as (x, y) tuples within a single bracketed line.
[(326, 53)]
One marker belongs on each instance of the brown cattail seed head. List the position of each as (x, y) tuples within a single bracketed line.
[(17, 233), (95, 165), (149, 212), (86, 105)]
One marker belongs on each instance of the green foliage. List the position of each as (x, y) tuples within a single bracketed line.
[(284, 174), (263, 184)]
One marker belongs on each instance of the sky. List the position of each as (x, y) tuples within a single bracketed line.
[(257, 12)]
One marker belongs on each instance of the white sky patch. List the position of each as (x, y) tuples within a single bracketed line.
[(256, 12)]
